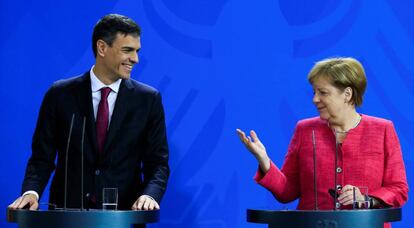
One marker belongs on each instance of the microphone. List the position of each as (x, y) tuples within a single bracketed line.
[(315, 189), (66, 160), (82, 145)]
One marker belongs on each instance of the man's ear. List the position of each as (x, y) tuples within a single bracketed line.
[(101, 47)]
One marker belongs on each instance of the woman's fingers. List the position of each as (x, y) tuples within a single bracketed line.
[(347, 195), (254, 136), (345, 199), (247, 140), (252, 143), (242, 136)]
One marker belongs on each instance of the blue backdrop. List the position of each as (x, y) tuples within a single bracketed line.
[(220, 65)]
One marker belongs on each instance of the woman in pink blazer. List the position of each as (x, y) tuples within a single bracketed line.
[(351, 149)]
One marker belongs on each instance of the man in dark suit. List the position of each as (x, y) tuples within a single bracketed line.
[(125, 144)]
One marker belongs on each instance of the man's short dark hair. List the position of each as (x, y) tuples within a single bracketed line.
[(110, 25)]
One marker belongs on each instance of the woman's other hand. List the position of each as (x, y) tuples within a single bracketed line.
[(346, 196)]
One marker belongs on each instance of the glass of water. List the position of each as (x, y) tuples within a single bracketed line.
[(363, 202), (109, 198)]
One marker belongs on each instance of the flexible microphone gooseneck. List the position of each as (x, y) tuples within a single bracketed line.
[(315, 188), (336, 165), (82, 145), (66, 160)]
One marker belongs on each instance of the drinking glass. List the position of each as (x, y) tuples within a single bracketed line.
[(109, 198), (361, 203)]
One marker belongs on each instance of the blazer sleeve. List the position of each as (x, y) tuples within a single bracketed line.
[(394, 190), (42, 161), (155, 161), (284, 183)]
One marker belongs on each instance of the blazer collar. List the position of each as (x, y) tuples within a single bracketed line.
[(120, 109), (84, 98)]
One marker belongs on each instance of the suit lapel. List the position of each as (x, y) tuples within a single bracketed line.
[(84, 99), (120, 109)]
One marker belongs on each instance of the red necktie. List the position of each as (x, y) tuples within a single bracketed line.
[(102, 119)]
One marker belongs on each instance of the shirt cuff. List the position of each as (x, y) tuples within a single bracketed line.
[(150, 197), (31, 192)]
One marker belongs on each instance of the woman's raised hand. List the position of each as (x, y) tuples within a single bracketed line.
[(256, 147)]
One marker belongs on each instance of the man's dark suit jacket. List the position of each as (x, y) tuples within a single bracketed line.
[(135, 157)]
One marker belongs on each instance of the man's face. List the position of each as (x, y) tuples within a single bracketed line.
[(119, 59)]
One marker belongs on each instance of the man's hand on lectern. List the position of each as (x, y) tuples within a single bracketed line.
[(29, 200), (145, 202)]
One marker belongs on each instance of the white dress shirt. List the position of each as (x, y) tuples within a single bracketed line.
[(96, 86)]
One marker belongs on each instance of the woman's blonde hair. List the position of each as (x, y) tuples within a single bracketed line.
[(342, 72)]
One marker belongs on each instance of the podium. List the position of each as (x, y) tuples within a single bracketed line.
[(373, 218), (77, 219)]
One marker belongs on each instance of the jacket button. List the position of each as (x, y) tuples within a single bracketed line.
[(338, 187), (338, 169)]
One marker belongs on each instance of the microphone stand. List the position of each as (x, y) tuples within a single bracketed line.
[(336, 165), (315, 188), (82, 165), (66, 160)]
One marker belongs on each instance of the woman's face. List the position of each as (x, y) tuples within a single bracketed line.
[(330, 101)]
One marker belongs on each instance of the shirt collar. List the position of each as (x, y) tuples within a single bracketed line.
[(96, 84)]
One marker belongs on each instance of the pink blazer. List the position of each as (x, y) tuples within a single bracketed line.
[(369, 156)]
